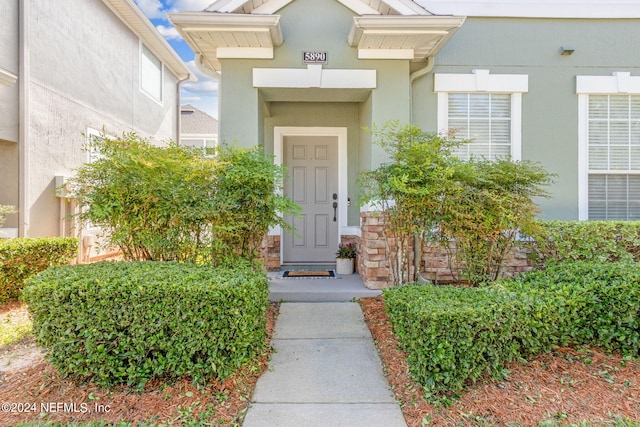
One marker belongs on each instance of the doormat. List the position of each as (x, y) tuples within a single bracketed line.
[(309, 274)]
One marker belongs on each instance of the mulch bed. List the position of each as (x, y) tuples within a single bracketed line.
[(158, 402), (569, 385)]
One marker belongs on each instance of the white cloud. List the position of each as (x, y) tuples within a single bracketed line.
[(153, 9), (169, 33), (202, 94)]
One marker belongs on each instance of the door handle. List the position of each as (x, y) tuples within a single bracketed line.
[(335, 206)]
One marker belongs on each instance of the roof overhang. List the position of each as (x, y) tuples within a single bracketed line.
[(137, 22), (215, 36), (401, 37)]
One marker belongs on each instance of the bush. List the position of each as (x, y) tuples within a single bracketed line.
[(176, 204), (453, 335), (24, 257), (590, 240), (598, 302), (130, 322)]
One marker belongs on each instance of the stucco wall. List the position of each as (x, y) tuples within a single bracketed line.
[(84, 73), (8, 62), (550, 108)]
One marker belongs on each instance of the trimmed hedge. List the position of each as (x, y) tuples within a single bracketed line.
[(23, 257), (454, 335), (130, 322), (591, 241), (598, 302)]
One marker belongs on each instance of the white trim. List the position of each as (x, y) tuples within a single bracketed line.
[(313, 76), (481, 81), (351, 231), (279, 132), (7, 78), (617, 83), (245, 52), (406, 7), (597, 9), (270, 7), (385, 54), (583, 157)]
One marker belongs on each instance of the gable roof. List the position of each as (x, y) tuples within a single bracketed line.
[(196, 122), (249, 29)]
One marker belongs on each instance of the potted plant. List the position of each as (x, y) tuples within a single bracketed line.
[(344, 258)]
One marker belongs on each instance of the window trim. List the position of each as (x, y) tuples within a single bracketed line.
[(141, 48), (618, 83), (481, 81)]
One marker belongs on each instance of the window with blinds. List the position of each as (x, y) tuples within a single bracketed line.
[(614, 156), (485, 120)]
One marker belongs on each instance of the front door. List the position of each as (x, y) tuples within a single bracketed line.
[(312, 168)]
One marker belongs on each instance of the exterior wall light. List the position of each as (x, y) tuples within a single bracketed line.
[(566, 50)]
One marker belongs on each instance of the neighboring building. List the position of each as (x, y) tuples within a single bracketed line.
[(197, 128), (68, 69), (551, 81)]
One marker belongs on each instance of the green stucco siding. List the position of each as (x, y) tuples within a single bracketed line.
[(550, 108)]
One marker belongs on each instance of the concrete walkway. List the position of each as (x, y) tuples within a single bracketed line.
[(344, 288), (324, 371)]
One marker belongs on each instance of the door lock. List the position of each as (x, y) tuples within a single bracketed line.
[(335, 207)]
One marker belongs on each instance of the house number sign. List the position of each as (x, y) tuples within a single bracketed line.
[(314, 57)]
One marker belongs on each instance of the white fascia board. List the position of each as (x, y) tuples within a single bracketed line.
[(405, 7), (193, 22), (402, 25), (245, 52), (481, 81), (596, 9), (619, 82), (270, 7), (228, 6), (359, 7), (385, 54), (7, 78), (139, 24), (313, 77)]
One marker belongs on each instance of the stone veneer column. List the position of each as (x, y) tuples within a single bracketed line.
[(373, 262)]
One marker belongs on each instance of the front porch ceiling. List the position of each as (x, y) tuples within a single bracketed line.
[(402, 37), (225, 35)]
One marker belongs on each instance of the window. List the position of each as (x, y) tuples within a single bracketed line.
[(150, 74), (92, 152), (208, 145), (485, 109), (609, 141)]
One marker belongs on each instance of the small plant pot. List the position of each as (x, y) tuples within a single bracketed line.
[(344, 265)]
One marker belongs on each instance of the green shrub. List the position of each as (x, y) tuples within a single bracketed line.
[(453, 335), (590, 240), (24, 257), (130, 322), (598, 302), (174, 203)]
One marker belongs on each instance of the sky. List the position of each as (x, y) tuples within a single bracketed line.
[(202, 94)]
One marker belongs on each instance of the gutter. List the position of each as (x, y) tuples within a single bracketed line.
[(23, 125)]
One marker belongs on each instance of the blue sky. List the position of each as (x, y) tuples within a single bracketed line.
[(202, 94)]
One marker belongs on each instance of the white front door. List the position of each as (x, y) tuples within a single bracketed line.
[(312, 168)]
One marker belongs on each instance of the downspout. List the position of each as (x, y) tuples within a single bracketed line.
[(417, 240), (179, 110), (23, 125)]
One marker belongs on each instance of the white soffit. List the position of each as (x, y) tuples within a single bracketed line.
[(401, 37), (597, 9), (140, 25), (227, 35), (360, 7)]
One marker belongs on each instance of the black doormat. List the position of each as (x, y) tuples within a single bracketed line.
[(309, 274)]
